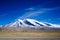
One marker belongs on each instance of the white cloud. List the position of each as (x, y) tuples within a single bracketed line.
[(29, 9), (34, 12), (29, 14)]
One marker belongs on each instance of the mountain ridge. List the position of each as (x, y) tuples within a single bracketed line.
[(31, 23)]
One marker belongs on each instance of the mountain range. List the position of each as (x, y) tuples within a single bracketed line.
[(30, 25)]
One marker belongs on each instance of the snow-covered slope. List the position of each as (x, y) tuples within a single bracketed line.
[(32, 23)]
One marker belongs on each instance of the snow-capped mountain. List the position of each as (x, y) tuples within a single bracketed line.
[(31, 23)]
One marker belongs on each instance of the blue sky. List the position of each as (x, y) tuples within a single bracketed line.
[(41, 10)]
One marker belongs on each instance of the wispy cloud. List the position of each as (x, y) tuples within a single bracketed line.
[(35, 12), (29, 14), (29, 9)]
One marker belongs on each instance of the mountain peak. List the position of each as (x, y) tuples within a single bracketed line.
[(31, 23)]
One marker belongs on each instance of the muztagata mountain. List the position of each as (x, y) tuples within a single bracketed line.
[(31, 23)]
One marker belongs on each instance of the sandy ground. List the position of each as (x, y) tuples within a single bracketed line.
[(28, 34)]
